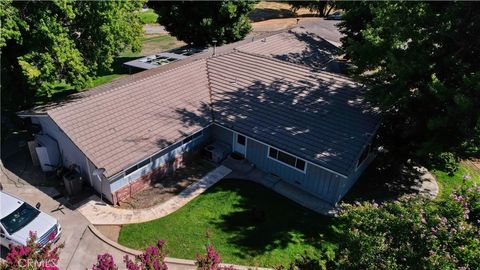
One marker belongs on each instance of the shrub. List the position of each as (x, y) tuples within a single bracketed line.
[(32, 256), (211, 260), (105, 262), (412, 233), (447, 162), (153, 258)]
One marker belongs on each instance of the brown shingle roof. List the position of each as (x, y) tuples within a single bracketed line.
[(296, 46), (123, 125)]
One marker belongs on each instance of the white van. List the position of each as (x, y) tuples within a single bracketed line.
[(18, 219)]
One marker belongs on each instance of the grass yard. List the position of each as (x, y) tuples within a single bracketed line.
[(247, 223), (448, 183)]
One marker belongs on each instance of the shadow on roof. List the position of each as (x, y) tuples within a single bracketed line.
[(321, 120), (318, 54)]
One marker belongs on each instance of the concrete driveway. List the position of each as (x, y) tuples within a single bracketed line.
[(73, 223)]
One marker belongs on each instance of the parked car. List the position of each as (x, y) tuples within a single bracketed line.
[(18, 219), (335, 16)]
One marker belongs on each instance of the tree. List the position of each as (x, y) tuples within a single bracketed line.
[(55, 46), (199, 23), (321, 7), (421, 61)]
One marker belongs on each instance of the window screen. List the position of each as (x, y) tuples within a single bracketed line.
[(130, 170), (187, 139), (286, 158), (300, 164), (273, 153), (241, 139), (143, 163)]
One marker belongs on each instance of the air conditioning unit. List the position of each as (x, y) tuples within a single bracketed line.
[(215, 152)]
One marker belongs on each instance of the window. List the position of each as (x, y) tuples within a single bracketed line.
[(300, 164), (192, 137), (187, 139), (130, 170), (273, 153), (19, 218), (241, 139), (287, 159), (143, 163), (197, 135)]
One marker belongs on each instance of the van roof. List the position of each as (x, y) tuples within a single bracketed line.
[(8, 204)]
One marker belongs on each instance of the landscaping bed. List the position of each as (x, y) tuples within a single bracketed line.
[(169, 186)]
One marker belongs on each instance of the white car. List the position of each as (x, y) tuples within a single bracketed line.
[(18, 219)]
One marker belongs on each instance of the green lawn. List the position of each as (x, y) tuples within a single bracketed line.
[(230, 214), (448, 183), (148, 16)]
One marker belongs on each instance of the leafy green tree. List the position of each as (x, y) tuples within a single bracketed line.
[(422, 63), (321, 7), (54, 46), (199, 23)]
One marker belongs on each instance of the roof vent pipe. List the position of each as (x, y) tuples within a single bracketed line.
[(214, 47)]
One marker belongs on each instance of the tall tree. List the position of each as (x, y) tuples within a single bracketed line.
[(199, 23), (52, 46), (422, 63)]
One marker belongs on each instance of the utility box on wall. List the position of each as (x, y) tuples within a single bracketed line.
[(47, 152)]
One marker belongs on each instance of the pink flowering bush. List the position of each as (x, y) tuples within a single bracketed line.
[(32, 256), (105, 262), (412, 233), (211, 260), (153, 258)]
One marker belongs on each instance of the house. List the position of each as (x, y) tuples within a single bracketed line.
[(307, 126)]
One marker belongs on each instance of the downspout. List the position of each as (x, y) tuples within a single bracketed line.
[(210, 91)]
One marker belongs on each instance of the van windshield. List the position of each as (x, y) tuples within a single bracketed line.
[(19, 218)]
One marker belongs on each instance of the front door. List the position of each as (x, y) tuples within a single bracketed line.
[(240, 144)]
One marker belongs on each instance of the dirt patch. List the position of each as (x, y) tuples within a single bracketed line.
[(110, 231), (266, 10), (156, 43), (166, 188)]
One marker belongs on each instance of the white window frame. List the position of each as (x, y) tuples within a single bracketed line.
[(283, 163)]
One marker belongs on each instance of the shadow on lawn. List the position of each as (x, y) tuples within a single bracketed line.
[(384, 179), (266, 221)]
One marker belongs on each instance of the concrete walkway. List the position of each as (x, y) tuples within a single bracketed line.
[(426, 185), (244, 170), (100, 214)]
